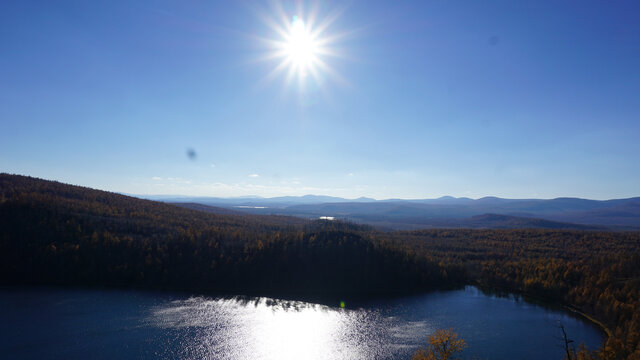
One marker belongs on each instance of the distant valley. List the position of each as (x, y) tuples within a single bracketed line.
[(444, 212)]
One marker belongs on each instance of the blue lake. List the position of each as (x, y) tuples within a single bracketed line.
[(56, 323)]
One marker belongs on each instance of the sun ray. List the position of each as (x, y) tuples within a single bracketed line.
[(301, 43)]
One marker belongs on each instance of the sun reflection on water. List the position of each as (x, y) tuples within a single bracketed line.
[(262, 328)]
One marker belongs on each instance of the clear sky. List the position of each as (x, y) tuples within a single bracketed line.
[(413, 99)]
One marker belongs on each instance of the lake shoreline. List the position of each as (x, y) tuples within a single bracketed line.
[(128, 324), (332, 301), (541, 301)]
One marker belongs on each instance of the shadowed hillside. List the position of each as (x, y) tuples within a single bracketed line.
[(62, 234)]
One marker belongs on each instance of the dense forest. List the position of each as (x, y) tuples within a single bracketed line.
[(53, 233)]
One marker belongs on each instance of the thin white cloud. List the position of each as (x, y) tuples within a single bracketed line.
[(350, 174), (294, 186), (213, 165), (188, 188), (175, 180)]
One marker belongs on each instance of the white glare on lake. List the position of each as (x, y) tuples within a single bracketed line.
[(263, 328)]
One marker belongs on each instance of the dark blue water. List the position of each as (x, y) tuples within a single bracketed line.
[(53, 323)]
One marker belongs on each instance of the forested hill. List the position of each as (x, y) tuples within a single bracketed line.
[(52, 233), (62, 234), (16, 189)]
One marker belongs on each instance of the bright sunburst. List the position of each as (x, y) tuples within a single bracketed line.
[(301, 45)]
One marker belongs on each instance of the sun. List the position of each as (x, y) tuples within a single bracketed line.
[(301, 46), (301, 49)]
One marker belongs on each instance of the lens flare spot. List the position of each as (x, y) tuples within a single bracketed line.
[(300, 47)]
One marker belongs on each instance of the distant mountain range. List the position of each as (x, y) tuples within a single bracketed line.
[(447, 211)]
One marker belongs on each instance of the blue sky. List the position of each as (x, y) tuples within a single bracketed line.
[(418, 99)]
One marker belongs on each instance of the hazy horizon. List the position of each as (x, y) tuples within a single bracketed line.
[(287, 98), (357, 198), (252, 195)]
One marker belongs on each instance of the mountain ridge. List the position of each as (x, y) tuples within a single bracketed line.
[(401, 214)]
